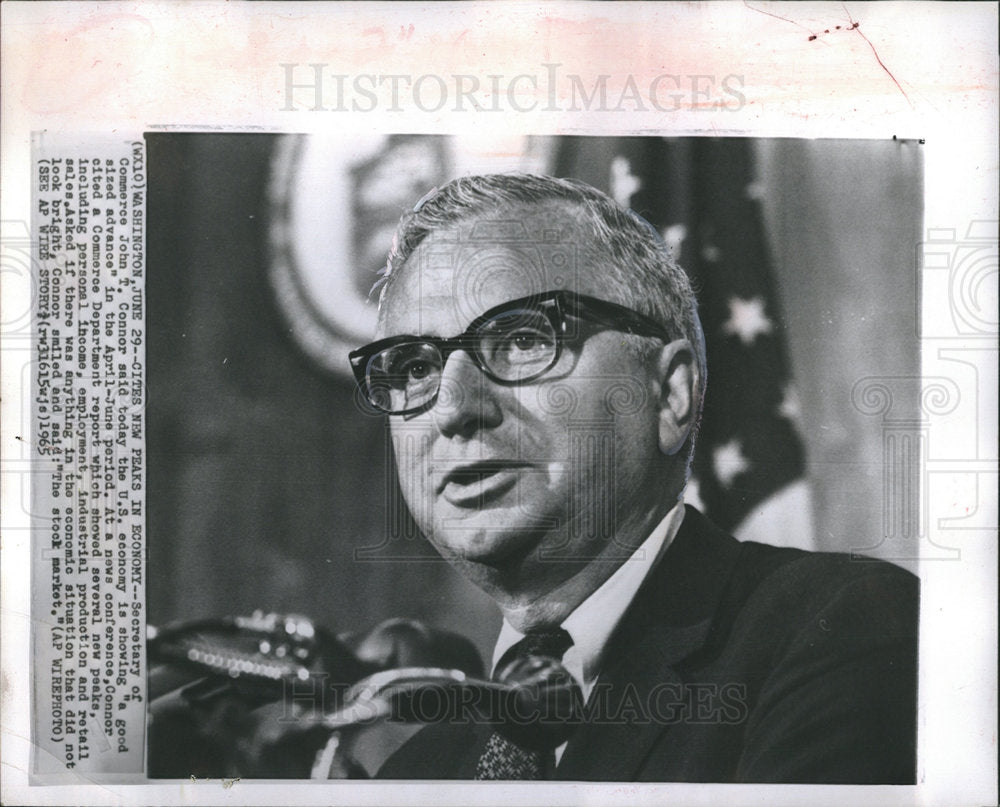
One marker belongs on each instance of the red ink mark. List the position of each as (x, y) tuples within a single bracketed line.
[(856, 26), (777, 17), (377, 31)]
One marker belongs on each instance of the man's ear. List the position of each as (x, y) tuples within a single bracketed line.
[(679, 385)]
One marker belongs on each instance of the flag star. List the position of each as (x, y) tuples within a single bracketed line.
[(754, 190), (692, 494), (729, 462), (674, 237), (747, 319), (624, 184), (710, 253), (791, 406)]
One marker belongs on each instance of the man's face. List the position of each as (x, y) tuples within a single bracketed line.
[(520, 484)]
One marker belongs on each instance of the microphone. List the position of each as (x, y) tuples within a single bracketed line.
[(251, 695), (533, 701), (200, 672), (254, 657)]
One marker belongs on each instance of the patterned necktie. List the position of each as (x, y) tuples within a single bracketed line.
[(503, 759)]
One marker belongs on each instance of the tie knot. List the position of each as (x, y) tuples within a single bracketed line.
[(550, 642)]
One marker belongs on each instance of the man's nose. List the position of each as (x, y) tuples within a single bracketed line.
[(467, 399)]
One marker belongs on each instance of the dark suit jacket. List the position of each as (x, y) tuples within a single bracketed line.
[(737, 662)]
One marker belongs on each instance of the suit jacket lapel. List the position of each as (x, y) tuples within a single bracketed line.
[(669, 620)]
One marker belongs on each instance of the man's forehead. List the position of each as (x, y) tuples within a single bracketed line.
[(484, 261)]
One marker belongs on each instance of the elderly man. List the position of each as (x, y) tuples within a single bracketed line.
[(541, 363)]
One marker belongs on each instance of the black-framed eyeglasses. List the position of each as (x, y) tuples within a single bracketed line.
[(512, 343)]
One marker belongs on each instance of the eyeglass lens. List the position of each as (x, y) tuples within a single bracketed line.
[(513, 346)]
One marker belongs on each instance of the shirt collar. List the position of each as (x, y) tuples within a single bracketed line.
[(593, 621)]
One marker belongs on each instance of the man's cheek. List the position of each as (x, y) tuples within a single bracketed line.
[(411, 447), (413, 472)]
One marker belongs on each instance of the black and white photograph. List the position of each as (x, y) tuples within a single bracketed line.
[(342, 441), (470, 403)]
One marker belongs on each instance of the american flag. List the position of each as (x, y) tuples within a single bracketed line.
[(704, 197)]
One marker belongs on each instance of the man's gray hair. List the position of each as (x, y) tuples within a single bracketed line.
[(637, 264)]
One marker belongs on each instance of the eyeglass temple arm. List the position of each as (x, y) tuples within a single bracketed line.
[(617, 316)]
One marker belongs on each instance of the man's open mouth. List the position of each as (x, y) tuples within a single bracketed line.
[(470, 483)]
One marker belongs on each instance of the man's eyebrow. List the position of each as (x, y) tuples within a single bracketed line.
[(418, 336)]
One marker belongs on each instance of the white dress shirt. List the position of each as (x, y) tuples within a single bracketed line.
[(593, 621)]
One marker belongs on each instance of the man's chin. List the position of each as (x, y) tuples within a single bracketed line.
[(511, 569), (487, 549)]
